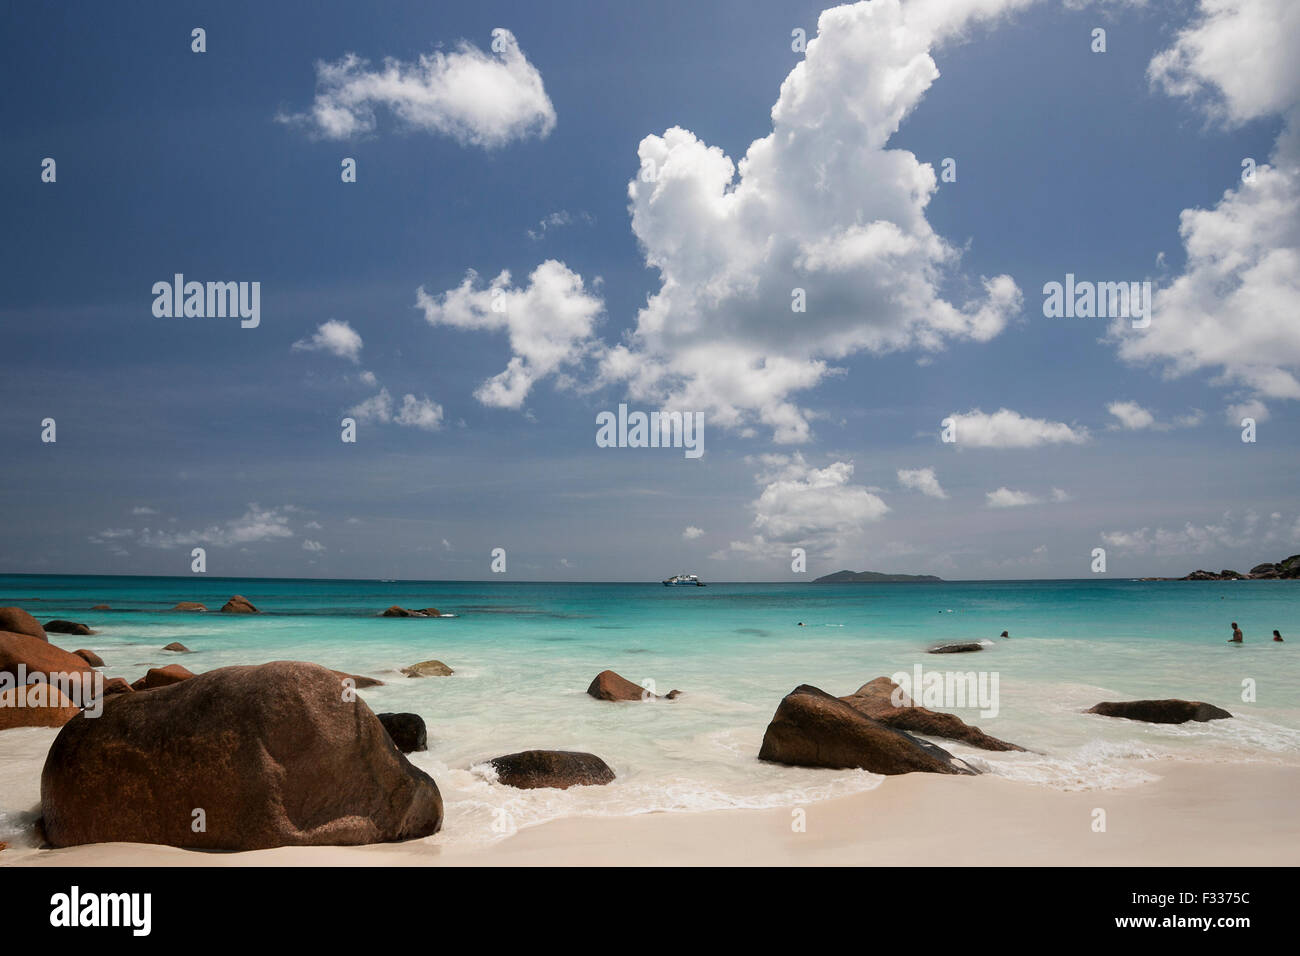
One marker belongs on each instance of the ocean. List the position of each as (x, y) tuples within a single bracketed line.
[(524, 653)]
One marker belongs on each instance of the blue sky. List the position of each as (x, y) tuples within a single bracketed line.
[(174, 433)]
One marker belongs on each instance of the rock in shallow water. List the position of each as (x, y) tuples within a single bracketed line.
[(407, 731), (239, 605), (90, 657), (178, 647), (1170, 711), (956, 648), (189, 606), (609, 685), (874, 699), (813, 729), (428, 669), (273, 756), (162, 677), (561, 769), (68, 627)]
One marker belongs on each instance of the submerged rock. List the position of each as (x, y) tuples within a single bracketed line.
[(239, 605), (163, 676), (561, 769), (407, 731), (17, 621), (68, 627), (874, 699), (813, 729), (396, 611), (1169, 711), (609, 685), (270, 755), (428, 669)]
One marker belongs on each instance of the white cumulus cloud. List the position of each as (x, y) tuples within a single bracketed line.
[(550, 323), (478, 98), (1009, 429), (922, 480), (337, 338)]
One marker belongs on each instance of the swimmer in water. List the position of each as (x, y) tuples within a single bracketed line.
[(1236, 634), (1277, 637), (801, 623), (1005, 634)]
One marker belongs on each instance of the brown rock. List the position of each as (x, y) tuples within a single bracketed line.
[(17, 621), (189, 606), (357, 680), (428, 669), (162, 677), (874, 699), (35, 705), (813, 729), (396, 611), (430, 612), (239, 605), (90, 657), (956, 648), (117, 685), (611, 686), (68, 627), (178, 647), (561, 769), (101, 607), (407, 731), (273, 756), (39, 657), (1170, 711)]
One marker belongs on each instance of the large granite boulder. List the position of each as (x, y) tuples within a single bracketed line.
[(68, 627), (238, 758), (561, 769), (38, 656), (1170, 711), (90, 657), (358, 681), (17, 621), (611, 686), (239, 605), (407, 731), (875, 699), (813, 729), (35, 705)]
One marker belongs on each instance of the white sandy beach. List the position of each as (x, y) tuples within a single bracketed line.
[(1194, 814)]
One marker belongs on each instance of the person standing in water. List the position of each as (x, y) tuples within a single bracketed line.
[(1236, 634), (1277, 637)]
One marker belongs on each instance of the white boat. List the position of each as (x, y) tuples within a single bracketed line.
[(684, 580)]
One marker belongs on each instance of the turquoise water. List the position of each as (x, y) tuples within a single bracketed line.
[(524, 654)]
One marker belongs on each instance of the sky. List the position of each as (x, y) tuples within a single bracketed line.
[(829, 247)]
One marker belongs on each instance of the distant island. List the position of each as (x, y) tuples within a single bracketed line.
[(1286, 569), (875, 577)]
